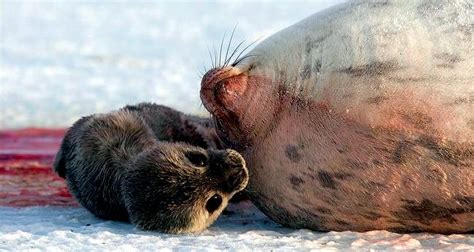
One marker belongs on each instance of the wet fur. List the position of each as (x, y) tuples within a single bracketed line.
[(133, 165)]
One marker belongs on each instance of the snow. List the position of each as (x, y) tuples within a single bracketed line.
[(62, 60), (75, 229)]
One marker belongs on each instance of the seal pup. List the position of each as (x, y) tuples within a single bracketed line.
[(123, 166), (360, 117)]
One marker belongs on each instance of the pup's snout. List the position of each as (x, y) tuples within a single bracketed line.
[(237, 180), (230, 166), (234, 159)]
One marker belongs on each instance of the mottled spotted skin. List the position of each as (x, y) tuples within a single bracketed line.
[(358, 118)]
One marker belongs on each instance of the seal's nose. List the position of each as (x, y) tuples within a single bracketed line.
[(236, 180), (230, 166), (221, 87), (216, 75), (236, 174)]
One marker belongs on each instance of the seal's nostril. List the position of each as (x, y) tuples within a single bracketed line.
[(221, 88), (235, 158), (235, 178)]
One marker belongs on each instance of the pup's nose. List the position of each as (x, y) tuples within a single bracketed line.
[(236, 180), (234, 158), (230, 166), (236, 174)]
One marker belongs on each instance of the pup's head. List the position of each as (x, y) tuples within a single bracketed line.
[(179, 188)]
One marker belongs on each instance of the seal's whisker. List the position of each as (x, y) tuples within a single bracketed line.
[(245, 49), (233, 53), (230, 43), (215, 55), (204, 68), (200, 72), (220, 49), (210, 56), (241, 59)]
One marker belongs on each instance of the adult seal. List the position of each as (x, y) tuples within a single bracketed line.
[(360, 117)]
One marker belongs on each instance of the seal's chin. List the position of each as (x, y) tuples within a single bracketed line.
[(222, 92)]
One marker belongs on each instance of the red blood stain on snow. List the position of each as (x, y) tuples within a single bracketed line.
[(26, 177)]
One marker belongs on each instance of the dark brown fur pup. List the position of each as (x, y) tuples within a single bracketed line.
[(148, 164)]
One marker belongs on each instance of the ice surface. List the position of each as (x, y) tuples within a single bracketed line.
[(74, 229)]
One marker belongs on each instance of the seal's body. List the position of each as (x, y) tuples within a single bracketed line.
[(147, 164), (358, 118)]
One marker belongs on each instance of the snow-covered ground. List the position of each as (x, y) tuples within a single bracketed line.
[(74, 229), (62, 60)]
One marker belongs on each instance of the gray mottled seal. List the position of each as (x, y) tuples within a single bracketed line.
[(360, 117), (147, 164)]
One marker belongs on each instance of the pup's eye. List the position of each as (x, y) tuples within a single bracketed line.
[(197, 159), (213, 203)]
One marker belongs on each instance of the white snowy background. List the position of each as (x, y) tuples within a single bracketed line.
[(61, 60), (74, 229)]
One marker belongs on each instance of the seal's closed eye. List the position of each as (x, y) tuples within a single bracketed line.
[(213, 203), (197, 158)]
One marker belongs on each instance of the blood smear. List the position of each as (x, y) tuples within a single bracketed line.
[(26, 177)]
